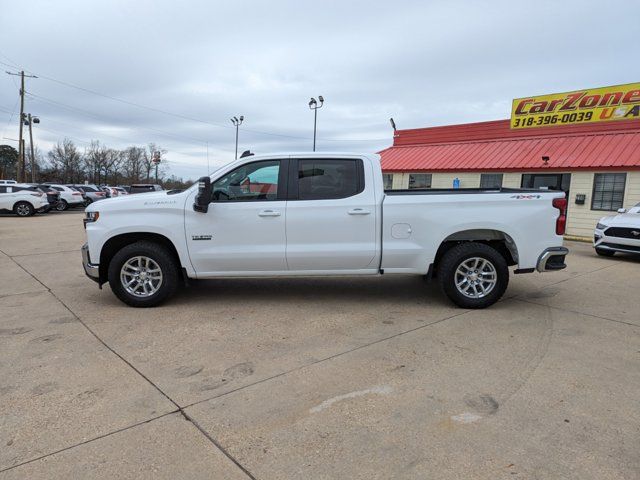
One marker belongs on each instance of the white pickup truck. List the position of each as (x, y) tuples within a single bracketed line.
[(314, 214)]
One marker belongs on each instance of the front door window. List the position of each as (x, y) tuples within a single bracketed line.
[(251, 182)]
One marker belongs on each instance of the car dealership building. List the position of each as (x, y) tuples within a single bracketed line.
[(596, 164)]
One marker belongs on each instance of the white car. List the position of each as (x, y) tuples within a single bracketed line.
[(8, 182), (618, 233), (68, 197), (312, 214), (23, 200)]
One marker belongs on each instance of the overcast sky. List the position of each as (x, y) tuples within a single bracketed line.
[(424, 63)]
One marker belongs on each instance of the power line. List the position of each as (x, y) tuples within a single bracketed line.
[(38, 97), (186, 117)]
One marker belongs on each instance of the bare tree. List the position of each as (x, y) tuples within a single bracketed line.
[(95, 159), (113, 165), (134, 163), (66, 162)]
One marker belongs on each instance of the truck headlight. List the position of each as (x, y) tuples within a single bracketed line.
[(600, 226), (90, 217)]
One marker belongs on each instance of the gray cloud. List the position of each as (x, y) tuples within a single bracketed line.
[(424, 63)]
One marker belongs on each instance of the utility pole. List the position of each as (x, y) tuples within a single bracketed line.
[(20, 172), (20, 167), (237, 122)]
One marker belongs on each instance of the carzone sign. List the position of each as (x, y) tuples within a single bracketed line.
[(620, 102)]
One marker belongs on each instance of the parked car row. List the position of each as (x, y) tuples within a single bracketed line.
[(27, 199)]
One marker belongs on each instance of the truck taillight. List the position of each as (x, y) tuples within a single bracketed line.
[(561, 221)]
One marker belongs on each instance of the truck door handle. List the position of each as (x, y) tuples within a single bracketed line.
[(358, 211), (269, 213)]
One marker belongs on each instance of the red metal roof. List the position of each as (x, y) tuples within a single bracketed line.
[(493, 145)]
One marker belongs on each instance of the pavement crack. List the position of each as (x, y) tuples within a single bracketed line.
[(108, 434), (217, 444)]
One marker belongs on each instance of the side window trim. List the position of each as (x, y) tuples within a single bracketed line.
[(281, 193), (294, 165)]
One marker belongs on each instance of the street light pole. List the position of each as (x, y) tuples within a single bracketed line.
[(314, 105), (32, 120), (237, 122)]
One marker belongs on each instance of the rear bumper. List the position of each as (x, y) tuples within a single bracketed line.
[(552, 259), (92, 270)]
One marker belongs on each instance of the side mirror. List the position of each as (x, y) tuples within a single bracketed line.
[(203, 198), (622, 210)]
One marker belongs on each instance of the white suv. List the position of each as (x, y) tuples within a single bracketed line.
[(618, 233), (68, 197), (23, 200)]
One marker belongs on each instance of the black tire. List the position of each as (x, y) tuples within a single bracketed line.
[(455, 257), (605, 253), (160, 255), (62, 206), (24, 209)]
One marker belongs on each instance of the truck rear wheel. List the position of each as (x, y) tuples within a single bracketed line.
[(473, 275), (143, 274)]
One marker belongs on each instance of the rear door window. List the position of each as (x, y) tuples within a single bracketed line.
[(327, 179)]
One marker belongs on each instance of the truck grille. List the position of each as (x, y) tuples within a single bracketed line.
[(622, 232)]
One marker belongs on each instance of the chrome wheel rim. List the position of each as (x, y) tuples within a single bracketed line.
[(60, 206), (476, 277), (141, 276), (22, 210)]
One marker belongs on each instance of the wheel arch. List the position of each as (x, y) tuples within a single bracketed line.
[(117, 242), (22, 200), (498, 239)]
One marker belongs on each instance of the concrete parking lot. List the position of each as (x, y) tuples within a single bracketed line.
[(314, 378)]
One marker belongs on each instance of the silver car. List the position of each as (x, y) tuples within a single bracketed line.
[(91, 192)]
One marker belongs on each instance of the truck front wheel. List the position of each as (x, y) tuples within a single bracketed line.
[(473, 275), (143, 274)]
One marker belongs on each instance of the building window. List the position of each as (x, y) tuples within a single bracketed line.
[(491, 180), (387, 179), (419, 180), (608, 191)]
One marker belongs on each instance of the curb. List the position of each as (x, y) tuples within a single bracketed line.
[(577, 238)]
